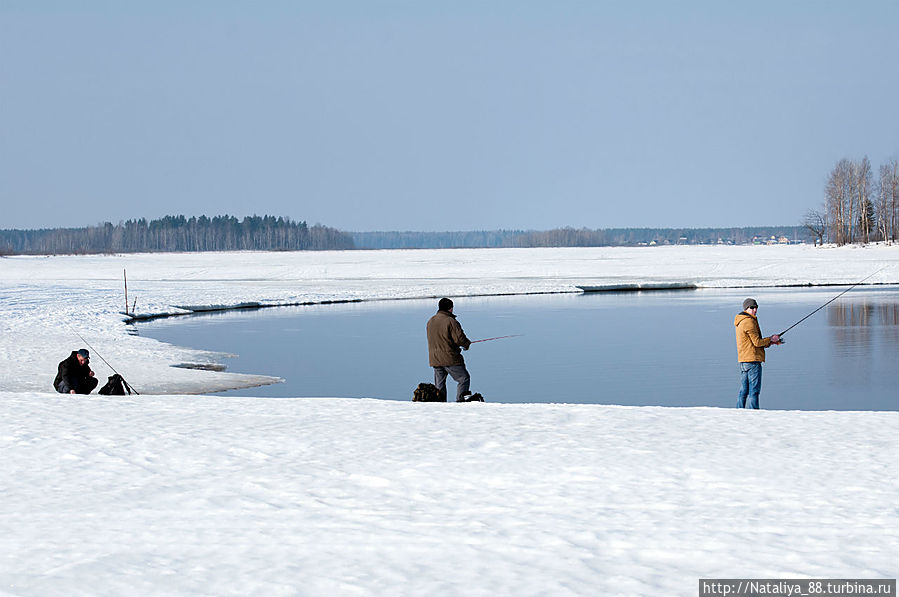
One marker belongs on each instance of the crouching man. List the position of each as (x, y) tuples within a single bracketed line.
[(74, 375)]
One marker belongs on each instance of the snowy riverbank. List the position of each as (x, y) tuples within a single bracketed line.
[(207, 495)]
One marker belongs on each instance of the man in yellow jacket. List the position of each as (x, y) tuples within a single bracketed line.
[(751, 353)]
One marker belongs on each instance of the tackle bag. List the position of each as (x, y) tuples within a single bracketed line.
[(427, 392), (116, 386)]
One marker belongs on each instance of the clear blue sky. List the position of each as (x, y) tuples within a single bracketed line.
[(452, 115)]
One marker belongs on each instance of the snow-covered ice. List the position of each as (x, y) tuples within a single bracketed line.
[(206, 495)]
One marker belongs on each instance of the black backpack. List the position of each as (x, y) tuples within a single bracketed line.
[(116, 386), (427, 392)]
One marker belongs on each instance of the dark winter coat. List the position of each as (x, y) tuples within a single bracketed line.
[(445, 340), (75, 375)]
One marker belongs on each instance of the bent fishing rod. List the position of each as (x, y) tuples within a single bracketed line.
[(497, 338), (831, 300)]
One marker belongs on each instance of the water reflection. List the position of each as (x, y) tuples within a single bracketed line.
[(864, 336), (863, 314)]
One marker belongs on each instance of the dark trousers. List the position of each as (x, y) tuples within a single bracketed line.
[(458, 373), (84, 386)]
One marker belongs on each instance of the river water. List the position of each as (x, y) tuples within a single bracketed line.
[(664, 348)]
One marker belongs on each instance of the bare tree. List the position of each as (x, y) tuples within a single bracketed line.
[(838, 202), (861, 197), (882, 204), (888, 201), (815, 221), (893, 165)]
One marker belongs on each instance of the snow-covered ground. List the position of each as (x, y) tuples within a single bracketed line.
[(177, 495), (206, 495)]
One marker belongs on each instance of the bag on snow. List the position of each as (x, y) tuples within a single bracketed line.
[(116, 386), (427, 392)]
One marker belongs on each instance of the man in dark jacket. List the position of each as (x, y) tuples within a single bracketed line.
[(445, 343), (74, 375)]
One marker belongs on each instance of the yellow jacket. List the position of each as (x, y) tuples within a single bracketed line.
[(750, 344)]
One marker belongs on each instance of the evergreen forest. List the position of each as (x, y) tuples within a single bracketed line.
[(178, 233)]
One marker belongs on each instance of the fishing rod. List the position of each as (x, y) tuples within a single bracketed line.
[(831, 300), (93, 351), (497, 338)]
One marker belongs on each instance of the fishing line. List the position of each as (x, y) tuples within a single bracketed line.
[(831, 300)]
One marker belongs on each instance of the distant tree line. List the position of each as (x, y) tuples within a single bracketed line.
[(435, 240), (178, 233), (615, 237), (268, 233), (857, 207), (578, 237)]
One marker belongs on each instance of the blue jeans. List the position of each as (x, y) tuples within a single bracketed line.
[(459, 373), (750, 384)]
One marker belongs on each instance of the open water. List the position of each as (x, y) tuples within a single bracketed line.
[(664, 348)]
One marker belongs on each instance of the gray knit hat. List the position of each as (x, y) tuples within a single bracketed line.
[(750, 302)]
